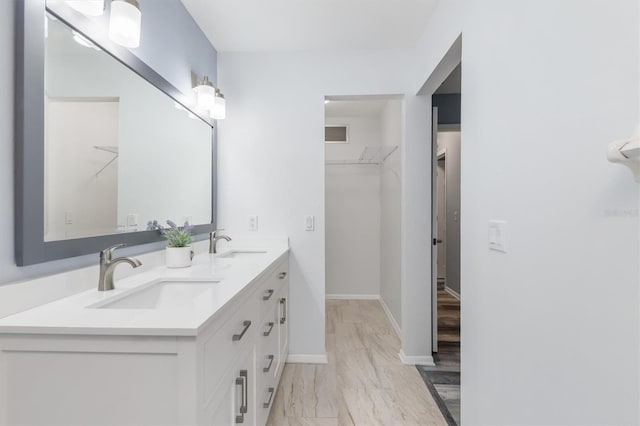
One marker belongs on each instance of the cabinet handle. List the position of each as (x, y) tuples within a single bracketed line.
[(268, 403), (246, 325), (268, 367), (283, 305), (282, 275), (268, 332), (268, 294), (242, 382)]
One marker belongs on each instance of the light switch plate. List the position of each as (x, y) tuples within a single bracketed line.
[(253, 223), (309, 223), (498, 235)]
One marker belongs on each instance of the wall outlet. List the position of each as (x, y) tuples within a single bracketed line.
[(132, 219), (253, 223), (309, 223)]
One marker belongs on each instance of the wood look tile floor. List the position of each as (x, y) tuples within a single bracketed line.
[(364, 382), (443, 380)]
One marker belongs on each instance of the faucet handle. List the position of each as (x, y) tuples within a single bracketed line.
[(108, 252), (214, 233)]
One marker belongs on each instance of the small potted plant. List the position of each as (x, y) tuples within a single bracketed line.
[(178, 252)]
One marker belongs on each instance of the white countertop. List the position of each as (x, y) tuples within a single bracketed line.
[(74, 314)]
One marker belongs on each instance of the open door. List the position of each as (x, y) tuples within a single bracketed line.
[(434, 230)]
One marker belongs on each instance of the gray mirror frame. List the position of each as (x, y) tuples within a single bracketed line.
[(30, 247)]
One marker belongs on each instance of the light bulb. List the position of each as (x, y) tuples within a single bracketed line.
[(219, 110), (125, 22)]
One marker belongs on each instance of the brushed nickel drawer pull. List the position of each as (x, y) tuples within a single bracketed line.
[(268, 332), (268, 367), (242, 382), (282, 275), (268, 403), (246, 325), (283, 304), (268, 294)]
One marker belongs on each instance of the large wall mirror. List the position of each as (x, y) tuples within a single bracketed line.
[(104, 148)]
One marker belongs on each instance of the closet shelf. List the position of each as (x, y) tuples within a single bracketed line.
[(370, 155)]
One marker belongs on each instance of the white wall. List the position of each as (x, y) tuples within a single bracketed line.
[(352, 212), (545, 86), (390, 211), (271, 163)]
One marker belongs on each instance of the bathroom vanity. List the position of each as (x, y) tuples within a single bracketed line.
[(204, 345)]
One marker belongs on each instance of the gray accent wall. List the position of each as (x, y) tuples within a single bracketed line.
[(171, 44)]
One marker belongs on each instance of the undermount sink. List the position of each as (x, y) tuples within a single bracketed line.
[(241, 253), (160, 294)]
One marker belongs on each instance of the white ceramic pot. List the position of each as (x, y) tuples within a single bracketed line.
[(179, 257)]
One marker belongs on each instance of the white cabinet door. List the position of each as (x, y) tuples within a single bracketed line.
[(283, 327), (237, 405)]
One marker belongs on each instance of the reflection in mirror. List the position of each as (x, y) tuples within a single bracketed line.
[(110, 167)]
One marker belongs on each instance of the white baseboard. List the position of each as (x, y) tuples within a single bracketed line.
[(452, 292), (416, 360), (392, 320), (353, 296), (307, 359)]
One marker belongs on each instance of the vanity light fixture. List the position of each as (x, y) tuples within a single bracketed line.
[(87, 7), (210, 99), (125, 23), (219, 111)]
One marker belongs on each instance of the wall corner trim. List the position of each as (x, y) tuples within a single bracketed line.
[(307, 359), (416, 360)]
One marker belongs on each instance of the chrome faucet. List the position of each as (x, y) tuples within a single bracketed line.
[(108, 266), (213, 240)]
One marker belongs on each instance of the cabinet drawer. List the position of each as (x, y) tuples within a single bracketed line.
[(228, 344), (272, 286), (267, 344)]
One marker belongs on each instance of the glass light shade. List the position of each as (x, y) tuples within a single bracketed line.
[(219, 111), (87, 7), (83, 41), (125, 22), (205, 95)]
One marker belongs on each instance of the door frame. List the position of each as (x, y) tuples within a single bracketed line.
[(434, 229)]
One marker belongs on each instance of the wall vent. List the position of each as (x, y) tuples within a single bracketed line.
[(336, 133)]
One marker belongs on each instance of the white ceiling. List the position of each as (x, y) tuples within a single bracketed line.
[(311, 25)]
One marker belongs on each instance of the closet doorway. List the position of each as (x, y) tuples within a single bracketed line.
[(363, 141)]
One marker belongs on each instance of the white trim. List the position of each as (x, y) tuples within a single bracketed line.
[(307, 359), (353, 296), (452, 292), (392, 320), (416, 360)]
